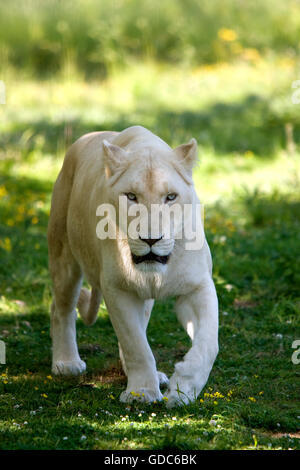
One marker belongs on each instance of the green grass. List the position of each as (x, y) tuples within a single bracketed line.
[(45, 37), (249, 183)]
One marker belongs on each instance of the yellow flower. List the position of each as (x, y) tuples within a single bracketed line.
[(227, 34), (49, 377), (218, 395), (34, 220), (3, 191), (44, 395), (165, 398), (21, 209), (250, 54), (6, 244), (252, 399)]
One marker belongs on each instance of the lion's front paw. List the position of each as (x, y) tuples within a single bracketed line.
[(162, 378), (68, 367), (144, 395), (178, 398), (182, 391)]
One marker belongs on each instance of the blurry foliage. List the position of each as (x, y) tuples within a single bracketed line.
[(45, 37)]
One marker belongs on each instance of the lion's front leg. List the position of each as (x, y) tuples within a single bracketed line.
[(198, 313), (126, 312), (145, 317)]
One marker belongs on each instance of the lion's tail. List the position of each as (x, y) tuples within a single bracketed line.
[(88, 305)]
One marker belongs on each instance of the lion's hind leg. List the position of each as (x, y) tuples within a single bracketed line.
[(66, 276)]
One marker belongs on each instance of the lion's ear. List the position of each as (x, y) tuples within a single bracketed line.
[(114, 158), (187, 154)]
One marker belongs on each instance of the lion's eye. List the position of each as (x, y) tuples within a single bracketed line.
[(171, 197), (131, 196)]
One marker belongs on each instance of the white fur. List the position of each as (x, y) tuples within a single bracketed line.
[(93, 173)]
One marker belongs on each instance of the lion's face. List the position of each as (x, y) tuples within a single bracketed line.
[(155, 185)]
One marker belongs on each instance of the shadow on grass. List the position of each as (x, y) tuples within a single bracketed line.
[(251, 124)]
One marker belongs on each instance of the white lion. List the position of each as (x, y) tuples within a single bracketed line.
[(129, 273)]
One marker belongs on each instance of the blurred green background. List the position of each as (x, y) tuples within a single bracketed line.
[(40, 37), (224, 72), (221, 71)]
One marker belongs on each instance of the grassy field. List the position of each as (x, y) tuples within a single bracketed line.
[(41, 38), (248, 179)]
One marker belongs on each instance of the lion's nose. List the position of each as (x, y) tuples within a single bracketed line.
[(150, 241)]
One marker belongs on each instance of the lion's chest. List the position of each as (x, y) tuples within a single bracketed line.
[(159, 286)]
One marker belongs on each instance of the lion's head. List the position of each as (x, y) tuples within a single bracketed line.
[(147, 172)]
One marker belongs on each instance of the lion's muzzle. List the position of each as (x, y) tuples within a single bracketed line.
[(151, 249), (150, 257)]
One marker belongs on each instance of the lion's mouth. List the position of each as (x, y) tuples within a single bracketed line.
[(150, 257)]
